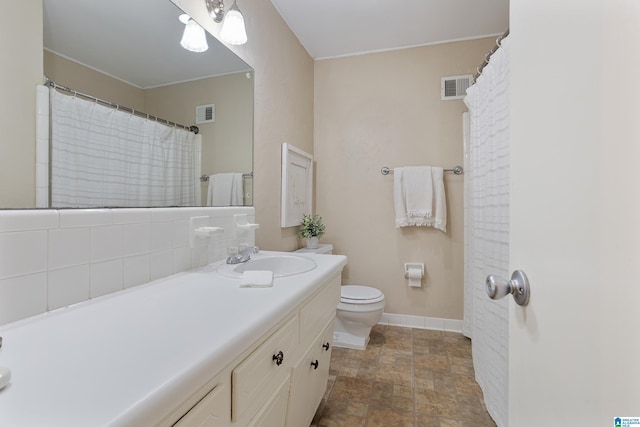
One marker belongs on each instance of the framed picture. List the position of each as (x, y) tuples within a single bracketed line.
[(297, 185)]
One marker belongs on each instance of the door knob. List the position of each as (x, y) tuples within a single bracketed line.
[(518, 286)]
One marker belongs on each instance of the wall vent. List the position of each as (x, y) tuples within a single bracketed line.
[(205, 114), (454, 87)]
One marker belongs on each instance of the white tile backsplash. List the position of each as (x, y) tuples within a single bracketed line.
[(200, 257), (160, 264), (165, 214), (68, 286), (69, 247), (180, 235), (136, 239), (136, 270), (106, 277), (22, 296), (50, 258), (161, 235), (181, 259), (106, 242), (131, 216), (85, 217), (23, 252)]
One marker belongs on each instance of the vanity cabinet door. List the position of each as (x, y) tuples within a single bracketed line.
[(309, 379), (319, 310), (255, 379), (214, 410), (275, 411)]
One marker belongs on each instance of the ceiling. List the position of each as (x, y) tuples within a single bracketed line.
[(138, 41), (332, 28), (135, 41)]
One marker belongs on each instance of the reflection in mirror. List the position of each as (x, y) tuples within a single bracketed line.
[(129, 53)]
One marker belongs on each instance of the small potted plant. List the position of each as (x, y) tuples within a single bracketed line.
[(311, 229)]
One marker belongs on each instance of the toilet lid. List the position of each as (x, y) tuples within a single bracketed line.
[(359, 293)]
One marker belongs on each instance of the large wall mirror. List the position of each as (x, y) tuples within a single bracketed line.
[(129, 53)]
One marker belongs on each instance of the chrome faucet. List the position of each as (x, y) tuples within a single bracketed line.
[(243, 255)]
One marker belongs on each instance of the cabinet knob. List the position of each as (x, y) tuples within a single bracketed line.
[(315, 364), (325, 346), (279, 358)]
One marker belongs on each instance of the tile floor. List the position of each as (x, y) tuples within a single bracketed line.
[(405, 377)]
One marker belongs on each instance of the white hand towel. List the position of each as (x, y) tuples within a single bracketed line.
[(420, 200), (236, 190), (413, 195), (257, 279), (225, 189)]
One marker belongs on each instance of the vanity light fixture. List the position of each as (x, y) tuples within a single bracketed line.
[(193, 38), (233, 30)]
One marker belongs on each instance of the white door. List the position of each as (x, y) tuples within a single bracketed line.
[(574, 351)]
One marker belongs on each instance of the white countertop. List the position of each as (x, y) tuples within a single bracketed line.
[(130, 358)]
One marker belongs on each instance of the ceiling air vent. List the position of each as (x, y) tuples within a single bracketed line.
[(205, 113), (454, 87)]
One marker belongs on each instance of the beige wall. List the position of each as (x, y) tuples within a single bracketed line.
[(21, 71), (384, 109), (227, 143), (86, 80), (283, 106)]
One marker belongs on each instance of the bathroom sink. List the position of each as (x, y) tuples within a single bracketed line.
[(280, 265)]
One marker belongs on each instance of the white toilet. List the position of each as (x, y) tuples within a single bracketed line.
[(360, 308)]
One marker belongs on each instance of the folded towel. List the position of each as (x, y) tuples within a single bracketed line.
[(439, 219), (413, 194), (418, 194), (257, 279), (225, 189)]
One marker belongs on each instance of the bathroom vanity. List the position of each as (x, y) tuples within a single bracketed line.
[(192, 349)]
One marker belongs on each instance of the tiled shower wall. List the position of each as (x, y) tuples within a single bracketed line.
[(51, 258)]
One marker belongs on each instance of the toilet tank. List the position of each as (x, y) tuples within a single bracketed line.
[(322, 249)]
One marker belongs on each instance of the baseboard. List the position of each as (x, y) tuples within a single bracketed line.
[(420, 322)]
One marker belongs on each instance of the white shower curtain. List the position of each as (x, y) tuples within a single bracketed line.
[(101, 156), (487, 229)]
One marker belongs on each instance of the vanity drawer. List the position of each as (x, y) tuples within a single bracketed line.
[(252, 381), (319, 310)]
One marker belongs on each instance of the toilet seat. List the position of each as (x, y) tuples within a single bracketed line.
[(355, 294)]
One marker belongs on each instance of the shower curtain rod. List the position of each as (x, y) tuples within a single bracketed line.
[(488, 55), (55, 85)]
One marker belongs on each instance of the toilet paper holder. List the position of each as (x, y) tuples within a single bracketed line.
[(413, 266)]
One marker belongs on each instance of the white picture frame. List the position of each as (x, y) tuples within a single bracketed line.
[(297, 185)]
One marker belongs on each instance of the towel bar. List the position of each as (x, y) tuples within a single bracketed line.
[(205, 178), (458, 170)]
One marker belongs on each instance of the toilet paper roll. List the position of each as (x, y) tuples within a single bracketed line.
[(414, 273), (415, 277)]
